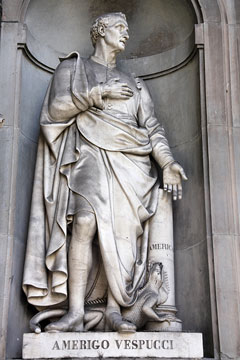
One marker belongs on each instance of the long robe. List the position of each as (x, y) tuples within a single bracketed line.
[(97, 150)]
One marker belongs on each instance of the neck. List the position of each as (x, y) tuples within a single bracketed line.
[(105, 54)]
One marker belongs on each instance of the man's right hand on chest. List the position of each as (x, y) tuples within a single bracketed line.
[(114, 89)]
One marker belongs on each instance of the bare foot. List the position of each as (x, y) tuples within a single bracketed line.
[(116, 322), (72, 321)]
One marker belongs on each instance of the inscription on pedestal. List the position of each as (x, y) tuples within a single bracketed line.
[(161, 247), (118, 344), (111, 344)]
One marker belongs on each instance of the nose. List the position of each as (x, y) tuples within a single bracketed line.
[(125, 35)]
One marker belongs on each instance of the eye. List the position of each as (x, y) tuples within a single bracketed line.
[(120, 27)]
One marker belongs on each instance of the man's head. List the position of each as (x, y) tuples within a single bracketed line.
[(155, 274), (110, 25)]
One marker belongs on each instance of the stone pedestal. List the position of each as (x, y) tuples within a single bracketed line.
[(161, 249), (112, 344)]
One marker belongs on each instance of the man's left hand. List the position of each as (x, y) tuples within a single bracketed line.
[(173, 175)]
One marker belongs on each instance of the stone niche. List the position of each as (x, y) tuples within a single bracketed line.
[(162, 51)]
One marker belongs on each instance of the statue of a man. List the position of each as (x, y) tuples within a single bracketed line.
[(94, 177)]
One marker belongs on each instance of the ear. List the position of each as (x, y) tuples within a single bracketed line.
[(101, 30)]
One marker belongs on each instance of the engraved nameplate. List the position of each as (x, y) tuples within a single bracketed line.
[(112, 344)]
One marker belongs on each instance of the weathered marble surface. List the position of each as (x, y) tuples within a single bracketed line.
[(94, 171), (216, 16), (111, 344)]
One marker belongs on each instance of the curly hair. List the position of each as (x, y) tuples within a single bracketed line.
[(102, 20)]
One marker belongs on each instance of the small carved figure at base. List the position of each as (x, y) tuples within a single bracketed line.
[(148, 298)]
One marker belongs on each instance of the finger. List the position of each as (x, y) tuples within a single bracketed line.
[(179, 192), (182, 172), (125, 96), (175, 192), (127, 88), (169, 188), (165, 187), (125, 93), (125, 85)]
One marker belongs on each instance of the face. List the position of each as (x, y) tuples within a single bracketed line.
[(116, 33), (156, 274)]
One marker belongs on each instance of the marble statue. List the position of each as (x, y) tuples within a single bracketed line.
[(95, 191)]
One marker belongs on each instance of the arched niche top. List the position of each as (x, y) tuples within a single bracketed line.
[(210, 10), (155, 25), (161, 31), (206, 10)]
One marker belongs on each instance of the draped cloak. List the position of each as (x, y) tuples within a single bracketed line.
[(97, 150)]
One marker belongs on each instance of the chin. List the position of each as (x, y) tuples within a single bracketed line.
[(122, 48)]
